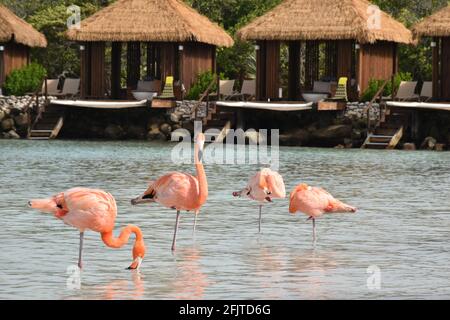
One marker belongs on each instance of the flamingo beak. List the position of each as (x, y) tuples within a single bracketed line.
[(136, 264), (142, 199), (43, 205)]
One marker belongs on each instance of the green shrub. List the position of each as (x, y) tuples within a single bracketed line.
[(26, 80), (201, 84), (375, 85)]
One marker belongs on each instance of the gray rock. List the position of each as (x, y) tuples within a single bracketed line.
[(114, 132), (429, 143), (22, 120), (7, 124), (409, 147), (13, 135), (2, 115), (165, 128)]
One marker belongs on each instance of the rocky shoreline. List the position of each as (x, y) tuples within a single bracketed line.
[(14, 118), (133, 124), (346, 129)]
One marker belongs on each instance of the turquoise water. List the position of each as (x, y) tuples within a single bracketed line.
[(402, 227)]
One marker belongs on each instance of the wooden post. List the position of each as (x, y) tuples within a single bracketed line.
[(133, 64), (294, 70), (85, 72), (97, 70), (116, 68), (436, 69), (181, 50), (260, 70), (272, 69), (2, 65)]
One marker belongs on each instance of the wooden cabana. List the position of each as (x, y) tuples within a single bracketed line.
[(326, 39), (176, 40), (437, 26), (16, 39)]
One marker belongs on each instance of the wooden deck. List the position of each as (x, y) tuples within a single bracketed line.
[(420, 105)]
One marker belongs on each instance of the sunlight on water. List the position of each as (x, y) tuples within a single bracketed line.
[(403, 227)]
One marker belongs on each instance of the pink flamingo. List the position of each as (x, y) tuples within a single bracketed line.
[(96, 210), (263, 187), (315, 202), (180, 191)]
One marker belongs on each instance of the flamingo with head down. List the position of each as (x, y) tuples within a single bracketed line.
[(96, 210), (264, 186), (180, 191), (315, 202)]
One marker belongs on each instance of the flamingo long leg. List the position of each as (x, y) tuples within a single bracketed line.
[(195, 223), (260, 218), (174, 242), (314, 229), (80, 253)]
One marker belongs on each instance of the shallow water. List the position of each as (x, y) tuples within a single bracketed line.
[(402, 228)]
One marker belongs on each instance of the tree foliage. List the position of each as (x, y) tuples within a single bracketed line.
[(49, 16)]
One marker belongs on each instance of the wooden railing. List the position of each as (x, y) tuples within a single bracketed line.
[(377, 96), (205, 95)]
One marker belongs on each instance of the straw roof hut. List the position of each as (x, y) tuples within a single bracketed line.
[(179, 41), (438, 27), (150, 21), (325, 20), (354, 36), (16, 39), (12, 28)]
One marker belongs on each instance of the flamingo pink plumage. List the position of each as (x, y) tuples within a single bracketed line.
[(264, 186), (96, 210), (316, 202), (180, 191)]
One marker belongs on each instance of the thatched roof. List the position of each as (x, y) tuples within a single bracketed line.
[(324, 20), (12, 28), (150, 21), (436, 25)]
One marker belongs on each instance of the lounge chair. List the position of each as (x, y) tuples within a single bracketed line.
[(168, 89), (406, 92), (70, 89), (52, 87), (226, 89), (248, 91), (427, 91), (341, 91)]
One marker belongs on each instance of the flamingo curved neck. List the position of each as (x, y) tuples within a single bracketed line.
[(112, 242), (201, 175)]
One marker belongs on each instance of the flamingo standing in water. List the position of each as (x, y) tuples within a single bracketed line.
[(316, 202), (180, 191), (263, 187), (96, 210)]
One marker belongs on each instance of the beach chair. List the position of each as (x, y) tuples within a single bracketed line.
[(52, 87), (226, 89), (427, 91), (71, 89), (168, 89), (248, 91), (341, 91), (406, 91)]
